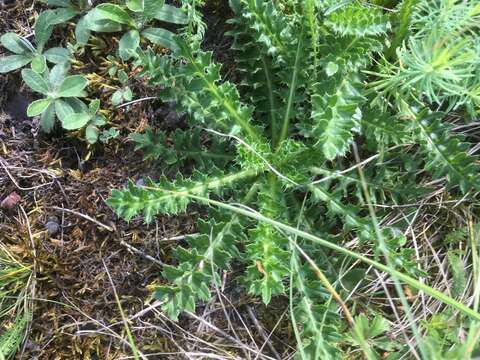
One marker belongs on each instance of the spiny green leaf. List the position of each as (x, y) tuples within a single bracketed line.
[(336, 117), (358, 20), (185, 146), (168, 197), (447, 155), (211, 250)]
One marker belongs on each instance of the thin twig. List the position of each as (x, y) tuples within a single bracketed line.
[(262, 333), (5, 167), (223, 333), (137, 101), (141, 253), (86, 217)]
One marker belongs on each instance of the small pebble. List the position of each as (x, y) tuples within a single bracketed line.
[(10, 201), (52, 225)]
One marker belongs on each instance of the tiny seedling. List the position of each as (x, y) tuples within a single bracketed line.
[(92, 119), (125, 92), (108, 135)]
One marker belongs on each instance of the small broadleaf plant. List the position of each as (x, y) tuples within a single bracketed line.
[(26, 53), (61, 99), (124, 93), (132, 18)]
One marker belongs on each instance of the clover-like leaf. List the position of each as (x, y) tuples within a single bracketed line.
[(62, 15), (57, 74), (43, 29), (94, 106), (67, 106), (115, 13), (171, 14), (98, 120), (128, 43), (135, 5), (59, 3), (47, 119), (82, 31), (117, 97), (91, 134), (57, 55), (39, 64), (96, 21), (151, 7)]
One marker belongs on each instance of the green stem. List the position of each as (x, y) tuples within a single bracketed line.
[(271, 98), (291, 91), (228, 179), (206, 154)]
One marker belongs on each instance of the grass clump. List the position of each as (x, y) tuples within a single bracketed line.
[(15, 308)]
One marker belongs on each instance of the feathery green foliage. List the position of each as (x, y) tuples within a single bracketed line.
[(15, 313), (439, 62)]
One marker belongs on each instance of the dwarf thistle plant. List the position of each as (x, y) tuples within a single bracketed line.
[(287, 130)]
